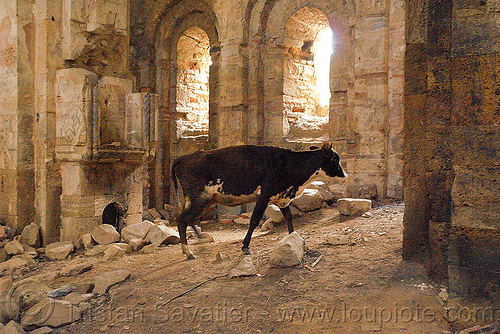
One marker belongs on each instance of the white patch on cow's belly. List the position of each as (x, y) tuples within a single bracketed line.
[(215, 192), (282, 200)]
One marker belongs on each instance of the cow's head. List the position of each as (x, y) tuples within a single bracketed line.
[(331, 163)]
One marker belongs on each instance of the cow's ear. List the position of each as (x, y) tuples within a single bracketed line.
[(313, 148)]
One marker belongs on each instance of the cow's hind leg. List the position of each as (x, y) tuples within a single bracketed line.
[(186, 218), (257, 214), (287, 213)]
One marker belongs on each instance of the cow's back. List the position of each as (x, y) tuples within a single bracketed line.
[(239, 169)]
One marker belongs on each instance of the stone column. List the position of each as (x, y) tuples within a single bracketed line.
[(17, 56)]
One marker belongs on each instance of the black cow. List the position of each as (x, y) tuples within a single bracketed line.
[(241, 174)]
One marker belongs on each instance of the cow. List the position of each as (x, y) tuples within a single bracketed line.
[(242, 174)]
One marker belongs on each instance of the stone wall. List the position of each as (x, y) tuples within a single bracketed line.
[(451, 142), (257, 98)]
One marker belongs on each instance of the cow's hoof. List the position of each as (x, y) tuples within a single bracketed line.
[(246, 251), (192, 257)]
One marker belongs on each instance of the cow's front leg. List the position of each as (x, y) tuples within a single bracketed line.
[(287, 213), (257, 214)]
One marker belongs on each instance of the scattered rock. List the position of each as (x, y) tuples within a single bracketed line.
[(478, 329), (443, 296), (87, 241), (42, 330), (244, 267), (60, 292), (76, 267), (14, 248), (338, 239), (30, 251), (353, 206), (104, 281), (366, 215), (267, 226), (338, 190), (218, 258), (154, 213), (289, 251), (83, 287), (96, 250), (113, 252), (161, 234), (105, 234), (366, 191), (151, 248), (273, 212), (136, 231), (50, 312), (242, 220), (31, 235), (12, 328), (137, 244), (3, 233), (205, 238), (59, 250), (76, 298), (310, 200), (126, 247), (14, 264), (5, 284)]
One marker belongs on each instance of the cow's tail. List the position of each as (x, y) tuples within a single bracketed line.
[(177, 186)]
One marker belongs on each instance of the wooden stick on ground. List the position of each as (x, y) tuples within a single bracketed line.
[(317, 261), (191, 289)]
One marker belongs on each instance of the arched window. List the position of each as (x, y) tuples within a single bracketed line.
[(193, 61), (306, 93)]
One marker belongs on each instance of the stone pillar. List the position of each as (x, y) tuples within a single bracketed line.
[(416, 217), (17, 51)]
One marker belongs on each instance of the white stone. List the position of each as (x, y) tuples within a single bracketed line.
[(353, 206), (244, 267), (136, 231), (338, 239), (113, 252), (104, 281), (31, 235), (161, 234), (59, 250), (105, 234), (50, 312), (310, 200), (14, 247), (289, 251), (273, 212)]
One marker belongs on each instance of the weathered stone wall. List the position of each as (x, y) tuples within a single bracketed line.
[(451, 142)]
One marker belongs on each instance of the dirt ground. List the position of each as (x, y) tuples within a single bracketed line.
[(362, 287)]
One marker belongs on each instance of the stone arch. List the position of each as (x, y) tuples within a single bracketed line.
[(175, 20), (268, 42)]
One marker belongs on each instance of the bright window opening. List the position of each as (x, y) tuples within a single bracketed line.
[(193, 62)]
